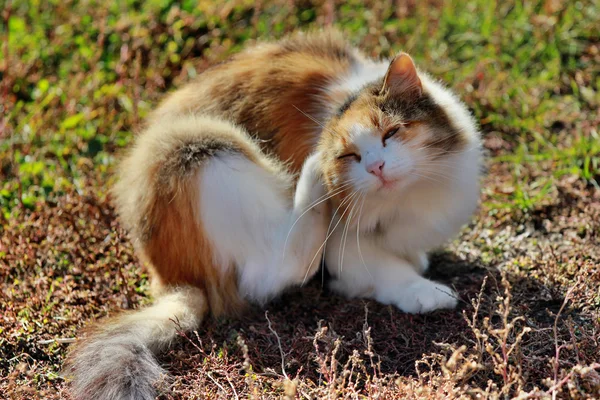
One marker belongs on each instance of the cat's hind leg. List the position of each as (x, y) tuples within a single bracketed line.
[(256, 224)]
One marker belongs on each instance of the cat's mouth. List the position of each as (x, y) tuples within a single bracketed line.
[(387, 183)]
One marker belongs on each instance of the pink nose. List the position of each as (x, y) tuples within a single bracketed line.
[(376, 168)]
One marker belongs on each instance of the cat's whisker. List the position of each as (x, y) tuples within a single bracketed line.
[(435, 142), (436, 158), (439, 153), (329, 228), (427, 177), (434, 155), (343, 187), (440, 174), (432, 173), (323, 246), (362, 259), (346, 200), (316, 121), (437, 172), (314, 204), (340, 256), (434, 162), (345, 232), (340, 253), (440, 166)]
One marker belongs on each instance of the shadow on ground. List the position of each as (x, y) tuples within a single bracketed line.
[(398, 339)]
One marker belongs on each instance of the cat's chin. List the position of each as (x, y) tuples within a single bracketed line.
[(392, 185), (389, 185)]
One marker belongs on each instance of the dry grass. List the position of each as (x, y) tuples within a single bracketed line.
[(77, 79)]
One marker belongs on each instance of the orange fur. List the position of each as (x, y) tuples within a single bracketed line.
[(267, 89)]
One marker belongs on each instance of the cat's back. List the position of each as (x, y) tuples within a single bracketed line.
[(270, 89)]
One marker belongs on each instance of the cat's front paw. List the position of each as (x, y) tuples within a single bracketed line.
[(310, 190), (424, 296)]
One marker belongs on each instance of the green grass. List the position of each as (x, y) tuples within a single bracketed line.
[(81, 76), (78, 78)]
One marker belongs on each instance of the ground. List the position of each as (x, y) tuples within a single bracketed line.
[(77, 79)]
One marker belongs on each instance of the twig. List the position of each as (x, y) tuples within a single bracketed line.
[(57, 340), (216, 383), (279, 344), (564, 380), (181, 332), (573, 339), (557, 348), (232, 387)]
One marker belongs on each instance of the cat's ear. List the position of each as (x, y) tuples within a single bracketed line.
[(401, 77)]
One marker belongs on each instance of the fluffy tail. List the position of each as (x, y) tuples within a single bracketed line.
[(116, 362)]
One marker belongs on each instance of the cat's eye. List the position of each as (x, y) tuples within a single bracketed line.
[(350, 155), (390, 133)]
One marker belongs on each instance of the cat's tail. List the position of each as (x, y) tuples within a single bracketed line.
[(117, 360), (159, 197)]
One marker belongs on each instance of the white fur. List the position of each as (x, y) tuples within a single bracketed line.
[(247, 215), (382, 250), (361, 73)]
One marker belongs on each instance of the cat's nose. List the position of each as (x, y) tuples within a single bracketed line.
[(376, 168)]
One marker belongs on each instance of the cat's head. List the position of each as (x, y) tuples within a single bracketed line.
[(394, 135)]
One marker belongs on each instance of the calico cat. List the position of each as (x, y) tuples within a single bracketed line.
[(244, 178)]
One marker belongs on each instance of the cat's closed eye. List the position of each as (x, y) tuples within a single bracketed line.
[(393, 131), (390, 133), (350, 155)]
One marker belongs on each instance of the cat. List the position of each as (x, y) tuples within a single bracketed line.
[(286, 153)]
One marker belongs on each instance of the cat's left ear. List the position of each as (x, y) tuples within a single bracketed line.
[(401, 77)]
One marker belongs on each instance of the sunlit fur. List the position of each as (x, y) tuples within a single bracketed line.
[(235, 189), (429, 189)]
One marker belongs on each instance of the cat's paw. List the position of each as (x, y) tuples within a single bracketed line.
[(310, 190), (424, 296)]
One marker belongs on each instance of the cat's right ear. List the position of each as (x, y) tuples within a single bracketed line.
[(401, 77)]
